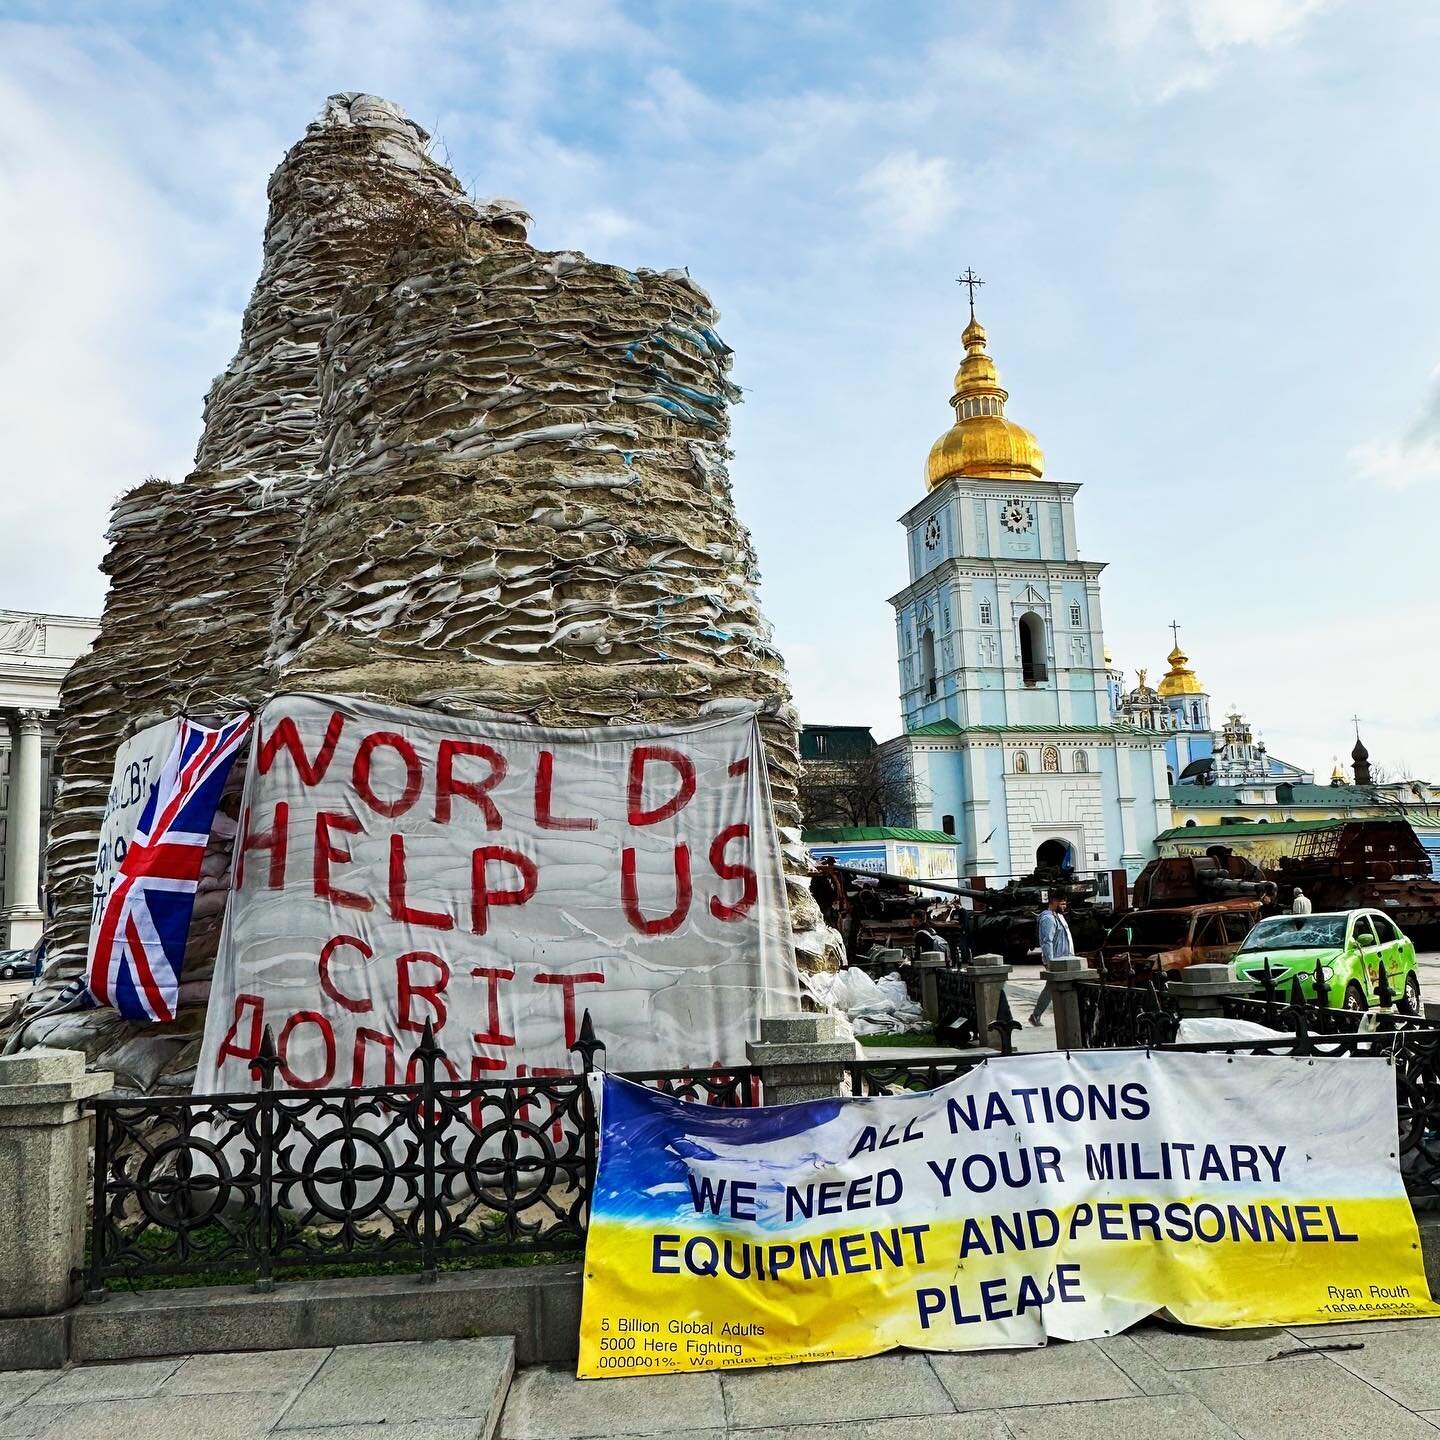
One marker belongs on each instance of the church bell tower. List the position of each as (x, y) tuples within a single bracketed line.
[(1000, 624), (1005, 687)]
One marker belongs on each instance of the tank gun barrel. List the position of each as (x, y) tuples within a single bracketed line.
[(965, 891), (1010, 896), (1237, 889)]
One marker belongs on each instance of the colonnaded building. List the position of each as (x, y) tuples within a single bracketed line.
[(36, 649), (1007, 697)]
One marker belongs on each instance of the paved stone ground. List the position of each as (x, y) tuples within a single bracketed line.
[(420, 1390), (1152, 1383)]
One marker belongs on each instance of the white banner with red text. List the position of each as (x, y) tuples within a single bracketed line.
[(397, 867)]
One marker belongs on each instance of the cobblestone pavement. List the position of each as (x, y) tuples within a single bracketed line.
[(1151, 1383)]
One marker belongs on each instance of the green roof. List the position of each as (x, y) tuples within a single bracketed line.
[(878, 832), (949, 727), (1220, 797), (1248, 827), (1288, 827)]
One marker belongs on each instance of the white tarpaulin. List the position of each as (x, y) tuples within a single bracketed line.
[(398, 866)]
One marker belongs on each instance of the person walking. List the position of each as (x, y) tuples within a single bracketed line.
[(827, 885), (1055, 941), (1300, 902)]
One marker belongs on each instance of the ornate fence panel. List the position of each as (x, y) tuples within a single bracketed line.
[(886, 1077), (1293, 1011), (434, 1172), (957, 1020), (1117, 1016)]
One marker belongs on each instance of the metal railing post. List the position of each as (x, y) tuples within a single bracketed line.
[(263, 1068), (586, 1046), (428, 1054)]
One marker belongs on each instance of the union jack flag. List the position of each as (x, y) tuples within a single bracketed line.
[(139, 943)]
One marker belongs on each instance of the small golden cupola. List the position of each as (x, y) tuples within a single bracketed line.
[(982, 442), (1180, 679)]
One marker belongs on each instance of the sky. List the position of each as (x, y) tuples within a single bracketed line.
[(1207, 230)]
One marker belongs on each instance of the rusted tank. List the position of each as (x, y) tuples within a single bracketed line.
[(1218, 874), (1004, 924), (1379, 864)]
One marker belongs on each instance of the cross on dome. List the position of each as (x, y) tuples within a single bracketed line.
[(981, 443), (972, 282)]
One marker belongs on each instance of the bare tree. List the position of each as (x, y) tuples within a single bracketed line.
[(877, 788)]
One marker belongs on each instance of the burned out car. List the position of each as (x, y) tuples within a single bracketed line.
[(1151, 942)]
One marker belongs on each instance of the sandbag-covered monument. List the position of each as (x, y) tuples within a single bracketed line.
[(444, 470)]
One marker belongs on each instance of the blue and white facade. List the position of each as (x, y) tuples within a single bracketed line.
[(1007, 697)]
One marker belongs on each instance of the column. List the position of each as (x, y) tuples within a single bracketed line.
[(1129, 849), (988, 975), (23, 916), (1064, 975), (1199, 991), (801, 1057), (44, 1138)]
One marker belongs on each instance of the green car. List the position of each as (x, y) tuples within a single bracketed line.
[(1350, 946)]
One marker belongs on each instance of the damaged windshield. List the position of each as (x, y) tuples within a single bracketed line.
[(1297, 932)]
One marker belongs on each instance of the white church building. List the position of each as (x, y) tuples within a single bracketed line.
[(1005, 689)]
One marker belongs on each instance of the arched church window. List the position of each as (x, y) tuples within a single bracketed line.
[(1075, 619), (1022, 763), (1033, 670), (927, 663), (986, 614), (1195, 713), (1050, 760), (1082, 762)]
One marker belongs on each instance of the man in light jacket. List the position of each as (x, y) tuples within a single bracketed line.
[(1055, 941), (1300, 904)]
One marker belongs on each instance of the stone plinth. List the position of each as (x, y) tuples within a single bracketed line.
[(1199, 991), (1063, 977), (988, 974), (43, 1177), (801, 1057), (930, 964)]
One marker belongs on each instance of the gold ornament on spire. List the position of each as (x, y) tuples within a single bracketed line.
[(982, 442), (1180, 679)]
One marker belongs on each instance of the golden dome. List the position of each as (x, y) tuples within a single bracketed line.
[(982, 441), (1180, 679)]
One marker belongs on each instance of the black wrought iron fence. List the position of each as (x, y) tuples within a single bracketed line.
[(1280, 1008), (432, 1173), (1119, 1016), (886, 1077), (957, 1020)]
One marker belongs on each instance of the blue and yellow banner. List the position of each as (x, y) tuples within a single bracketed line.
[(1037, 1197)]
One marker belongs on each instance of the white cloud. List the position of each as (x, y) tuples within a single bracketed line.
[(1175, 46), (1410, 461), (1217, 24), (908, 195), (1397, 465)]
